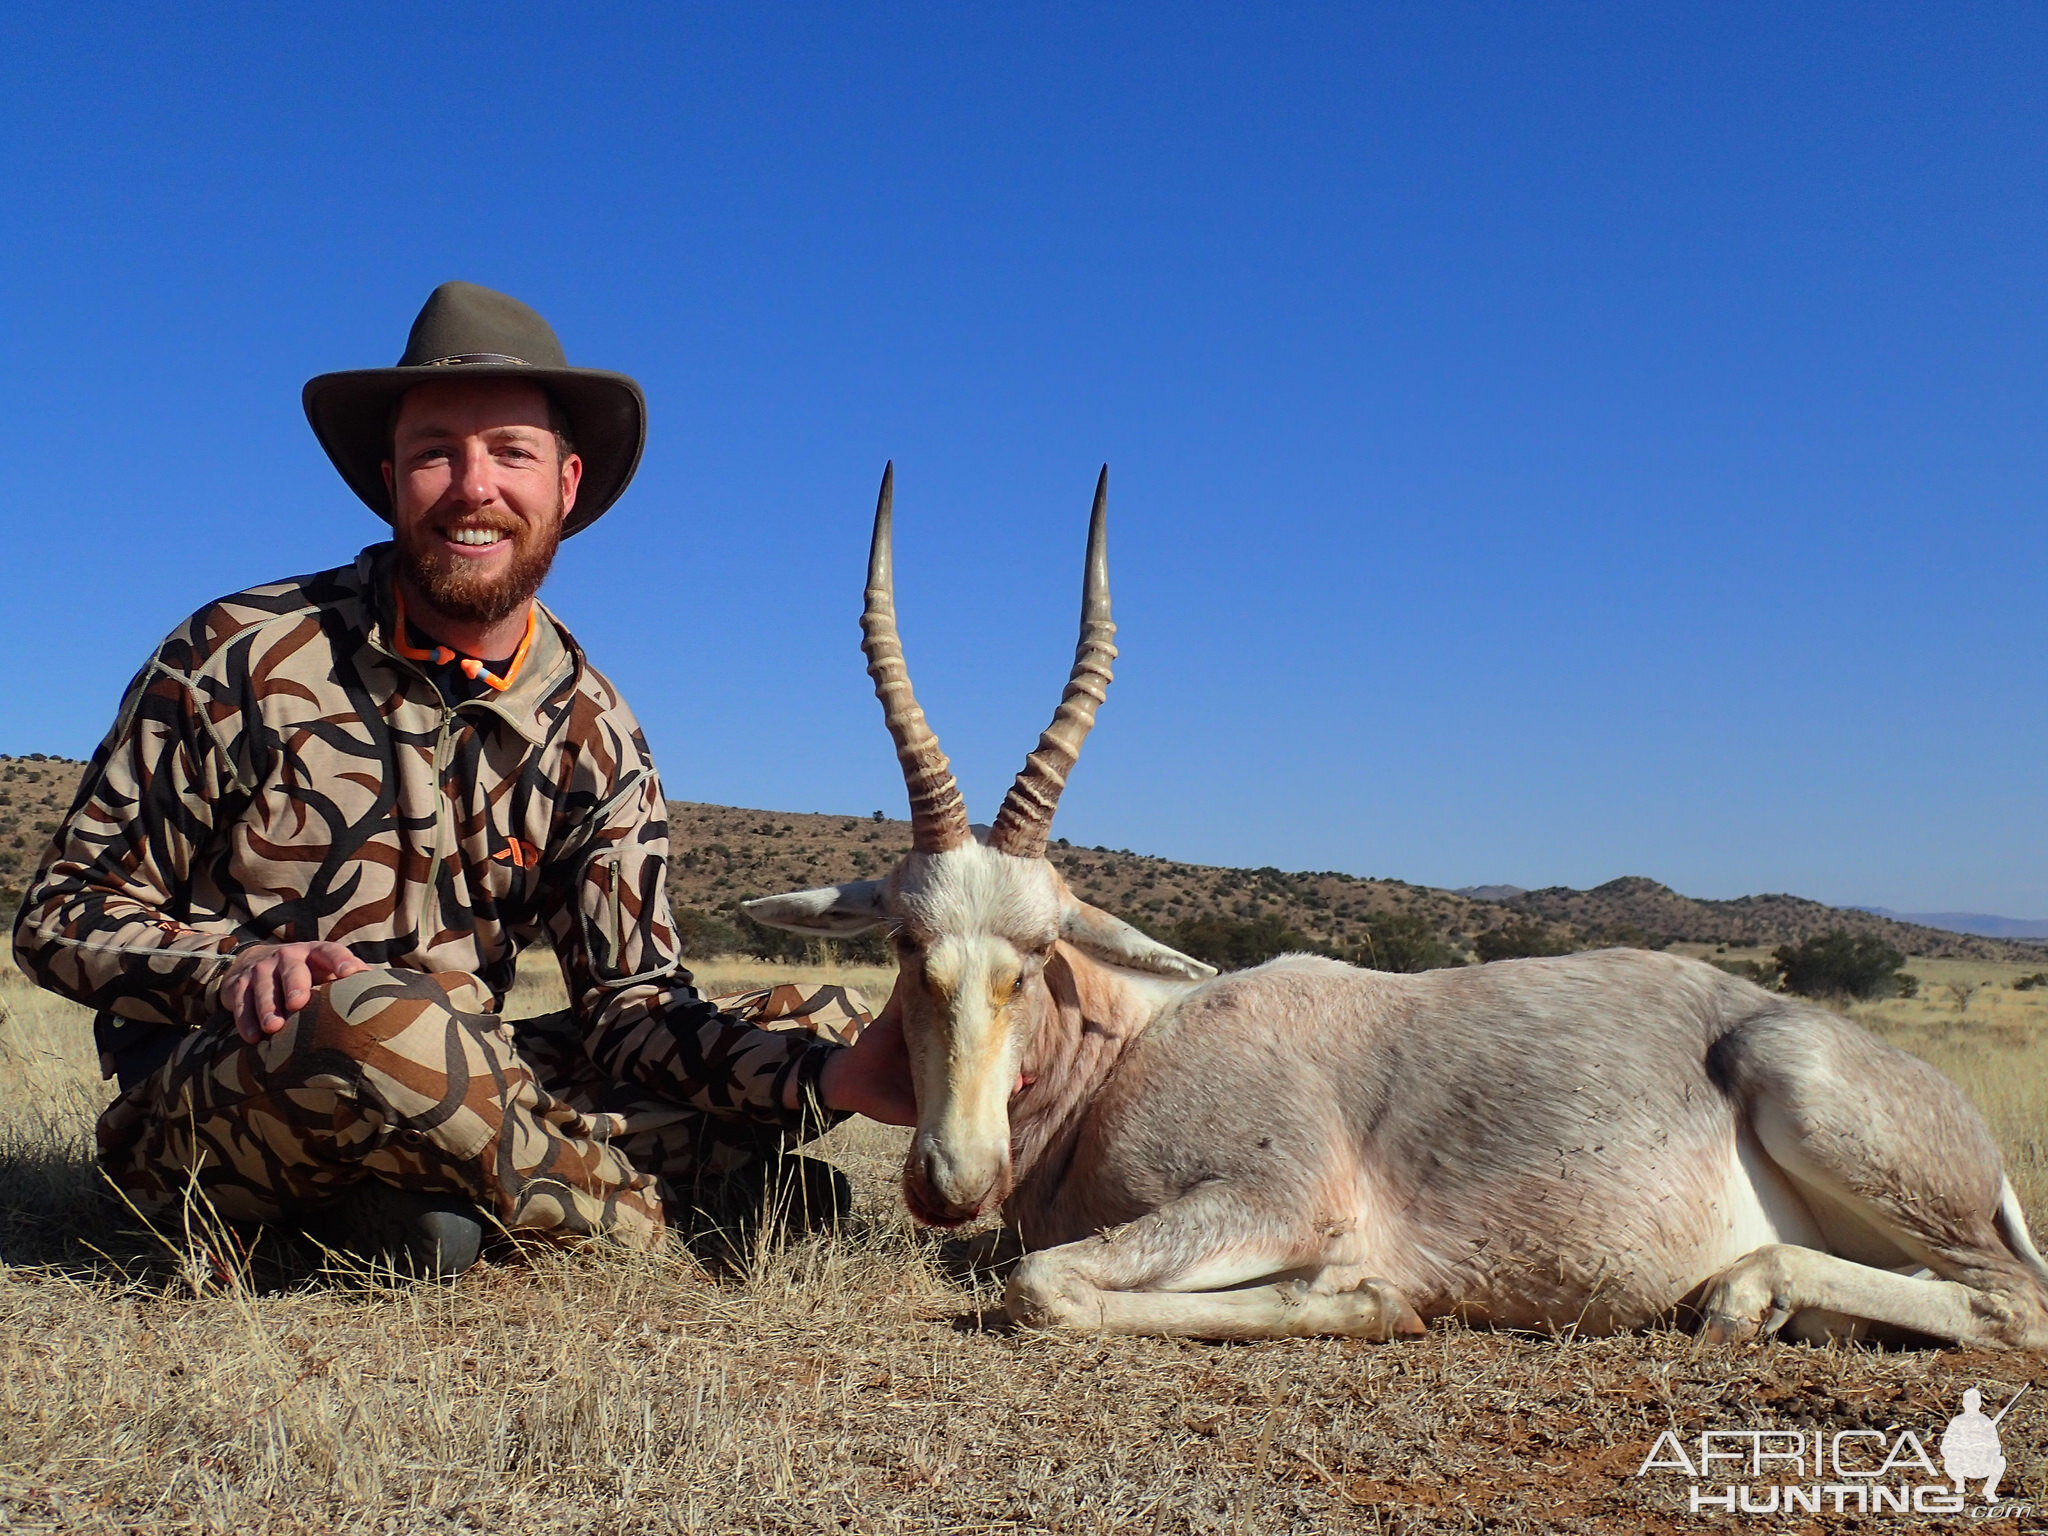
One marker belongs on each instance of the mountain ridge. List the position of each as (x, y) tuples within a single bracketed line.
[(721, 855)]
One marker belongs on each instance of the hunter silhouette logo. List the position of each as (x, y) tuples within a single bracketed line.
[(1970, 1448), (1859, 1471)]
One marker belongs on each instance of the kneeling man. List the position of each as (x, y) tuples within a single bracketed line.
[(332, 810)]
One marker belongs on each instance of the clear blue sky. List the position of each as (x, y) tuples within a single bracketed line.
[(1547, 442)]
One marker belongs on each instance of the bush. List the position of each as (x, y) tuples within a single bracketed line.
[(2026, 983), (1519, 940), (1231, 944), (1629, 936), (1403, 941), (701, 935), (737, 934), (1839, 964), (1763, 973)]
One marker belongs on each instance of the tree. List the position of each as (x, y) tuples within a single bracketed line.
[(1840, 964)]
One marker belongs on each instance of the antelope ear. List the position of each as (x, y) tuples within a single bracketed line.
[(1116, 942), (837, 910)]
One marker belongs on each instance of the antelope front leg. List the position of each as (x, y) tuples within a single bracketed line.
[(1119, 1282)]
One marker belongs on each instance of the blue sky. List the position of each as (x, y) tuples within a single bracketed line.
[(1547, 443)]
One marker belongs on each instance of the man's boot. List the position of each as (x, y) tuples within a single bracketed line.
[(435, 1237)]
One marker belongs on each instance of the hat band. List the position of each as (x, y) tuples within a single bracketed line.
[(472, 357)]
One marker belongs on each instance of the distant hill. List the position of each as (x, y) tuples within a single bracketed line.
[(1982, 923), (1766, 920), (722, 855)]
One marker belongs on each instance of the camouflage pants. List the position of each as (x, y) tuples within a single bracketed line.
[(401, 1076)]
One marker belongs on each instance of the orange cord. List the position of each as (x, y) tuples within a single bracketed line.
[(441, 655)]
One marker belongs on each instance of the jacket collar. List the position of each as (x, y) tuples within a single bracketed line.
[(553, 657)]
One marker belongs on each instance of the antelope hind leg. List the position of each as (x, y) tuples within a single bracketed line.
[(1901, 1173), (1116, 1282), (1819, 1295)]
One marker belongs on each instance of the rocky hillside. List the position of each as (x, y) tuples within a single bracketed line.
[(723, 855), (34, 793)]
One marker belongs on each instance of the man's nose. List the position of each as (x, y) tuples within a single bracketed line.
[(478, 487)]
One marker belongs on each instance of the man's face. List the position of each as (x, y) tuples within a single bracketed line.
[(479, 493)]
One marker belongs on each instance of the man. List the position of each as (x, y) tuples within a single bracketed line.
[(332, 811)]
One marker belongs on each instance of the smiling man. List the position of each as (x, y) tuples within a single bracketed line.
[(333, 810)]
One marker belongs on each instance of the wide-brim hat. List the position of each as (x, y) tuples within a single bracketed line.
[(470, 332)]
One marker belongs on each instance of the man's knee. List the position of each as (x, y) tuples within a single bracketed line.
[(373, 1012)]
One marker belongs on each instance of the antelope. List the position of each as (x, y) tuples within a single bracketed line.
[(1592, 1143)]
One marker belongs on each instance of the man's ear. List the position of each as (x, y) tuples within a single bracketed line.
[(1115, 942), (835, 910), (572, 477)]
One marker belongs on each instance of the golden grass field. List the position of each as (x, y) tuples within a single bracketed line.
[(847, 1384)]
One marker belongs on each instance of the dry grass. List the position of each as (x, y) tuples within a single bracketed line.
[(844, 1384)]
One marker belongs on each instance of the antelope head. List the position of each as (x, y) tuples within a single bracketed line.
[(975, 920)]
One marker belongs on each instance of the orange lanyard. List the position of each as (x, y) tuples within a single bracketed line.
[(441, 655)]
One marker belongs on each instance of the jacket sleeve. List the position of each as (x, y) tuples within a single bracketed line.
[(102, 923), (644, 1020)]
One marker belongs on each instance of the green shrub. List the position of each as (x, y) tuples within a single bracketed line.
[(765, 943), (1629, 936), (701, 935), (1232, 944), (1840, 964), (1763, 972), (1518, 940), (1403, 941)]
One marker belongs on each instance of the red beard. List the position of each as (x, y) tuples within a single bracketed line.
[(457, 590)]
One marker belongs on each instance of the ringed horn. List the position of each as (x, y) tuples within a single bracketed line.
[(938, 816), (1025, 821)]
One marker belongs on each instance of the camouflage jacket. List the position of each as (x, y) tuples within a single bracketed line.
[(278, 773)]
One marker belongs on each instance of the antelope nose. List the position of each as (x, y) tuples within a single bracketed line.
[(942, 1176)]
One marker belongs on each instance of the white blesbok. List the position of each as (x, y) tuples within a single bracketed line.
[(1594, 1142)]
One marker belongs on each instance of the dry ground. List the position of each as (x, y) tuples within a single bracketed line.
[(848, 1385)]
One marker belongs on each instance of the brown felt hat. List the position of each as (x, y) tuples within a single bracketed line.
[(474, 333)]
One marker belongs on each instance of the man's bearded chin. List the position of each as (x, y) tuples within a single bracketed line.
[(459, 591)]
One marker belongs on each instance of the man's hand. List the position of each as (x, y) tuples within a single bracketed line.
[(872, 1076), (267, 983)]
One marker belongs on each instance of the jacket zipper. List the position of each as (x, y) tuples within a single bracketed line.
[(618, 919), (432, 892)]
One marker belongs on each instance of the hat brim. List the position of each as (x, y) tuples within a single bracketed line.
[(350, 413)]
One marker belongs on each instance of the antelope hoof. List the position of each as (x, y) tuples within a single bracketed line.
[(1721, 1328), (1375, 1311), (1039, 1297), (1748, 1303)]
